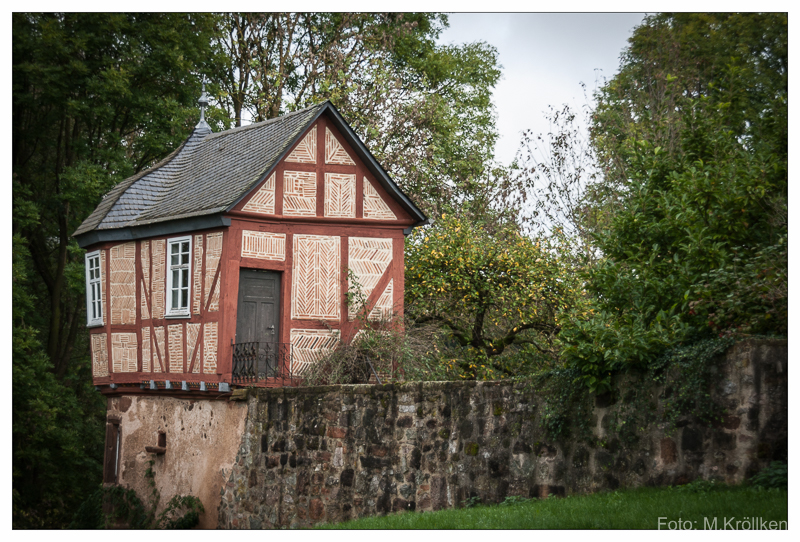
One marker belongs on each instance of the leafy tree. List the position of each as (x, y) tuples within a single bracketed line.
[(57, 425), (494, 292), (95, 98), (424, 110), (691, 142)]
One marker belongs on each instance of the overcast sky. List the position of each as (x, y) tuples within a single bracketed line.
[(545, 57)]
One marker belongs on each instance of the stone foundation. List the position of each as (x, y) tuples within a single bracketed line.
[(201, 436)]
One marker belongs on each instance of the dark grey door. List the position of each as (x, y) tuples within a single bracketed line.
[(258, 320)]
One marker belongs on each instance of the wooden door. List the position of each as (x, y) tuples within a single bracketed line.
[(256, 354), (257, 313)]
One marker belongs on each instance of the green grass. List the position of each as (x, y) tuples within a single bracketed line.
[(623, 509)]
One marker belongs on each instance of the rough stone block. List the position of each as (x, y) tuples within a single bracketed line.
[(316, 509), (404, 421), (691, 439), (669, 452)]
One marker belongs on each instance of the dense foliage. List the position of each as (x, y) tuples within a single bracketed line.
[(500, 295), (95, 98), (115, 507), (690, 207)]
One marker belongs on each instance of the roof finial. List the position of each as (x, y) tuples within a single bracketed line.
[(203, 101)]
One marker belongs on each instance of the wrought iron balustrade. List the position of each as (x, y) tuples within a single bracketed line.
[(255, 361)]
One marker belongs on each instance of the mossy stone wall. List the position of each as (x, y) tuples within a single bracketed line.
[(332, 453)]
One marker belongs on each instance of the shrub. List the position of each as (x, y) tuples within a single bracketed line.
[(774, 476)]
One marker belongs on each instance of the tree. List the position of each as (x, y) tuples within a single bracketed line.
[(424, 110), (95, 98), (551, 174), (493, 292), (691, 142), (57, 425)]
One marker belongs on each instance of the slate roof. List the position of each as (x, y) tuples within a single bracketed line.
[(209, 173)]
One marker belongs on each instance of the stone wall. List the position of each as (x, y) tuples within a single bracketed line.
[(328, 454)]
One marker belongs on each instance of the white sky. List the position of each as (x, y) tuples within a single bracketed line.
[(545, 57)]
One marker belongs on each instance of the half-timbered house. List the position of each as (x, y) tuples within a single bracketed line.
[(228, 263), (228, 259)]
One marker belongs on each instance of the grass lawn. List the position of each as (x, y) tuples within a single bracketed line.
[(623, 509)]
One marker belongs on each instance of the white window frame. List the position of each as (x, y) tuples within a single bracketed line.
[(91, 302), (181, 312)]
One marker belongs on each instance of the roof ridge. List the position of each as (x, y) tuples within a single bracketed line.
[(239, 129), (204, 177)]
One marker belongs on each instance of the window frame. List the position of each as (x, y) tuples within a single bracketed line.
[(112, 454), (182, 312), (94, 322)]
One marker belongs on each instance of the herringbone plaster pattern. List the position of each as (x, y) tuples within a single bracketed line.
[(374, 206), (159, 275), (213, 254), (160, 352), (263, 201), (340, 195), (99, 355), (306, 150), (124, 352), (197, 273), (146, 350), (210, 347), (299, 193), (368, 258), (175, 348), (384, 307), (123, 284), (315, 277), (309, 345), (334, 152), (263, 245), (192, 343)]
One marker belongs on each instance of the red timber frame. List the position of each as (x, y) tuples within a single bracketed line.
[(128, 379), (317, 225), (231, 261)]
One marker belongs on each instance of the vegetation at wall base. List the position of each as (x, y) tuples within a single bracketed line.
[(127, 511), (702, 504), (775, 476), (112, 507)]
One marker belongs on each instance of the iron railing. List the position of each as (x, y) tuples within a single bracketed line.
[(256, 361)]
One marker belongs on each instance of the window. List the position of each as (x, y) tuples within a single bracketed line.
[(179, 269), (111, 463), (94, 305)]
